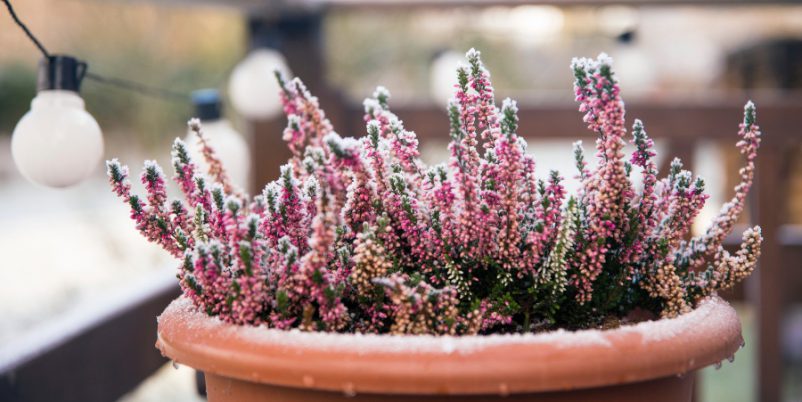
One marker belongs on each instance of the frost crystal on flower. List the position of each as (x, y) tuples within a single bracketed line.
[(359, 235)]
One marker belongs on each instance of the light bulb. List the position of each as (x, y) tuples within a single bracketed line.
[(228, 144), (535, 24), (57, 143), (253, 89), (443, 76), (635, 69)]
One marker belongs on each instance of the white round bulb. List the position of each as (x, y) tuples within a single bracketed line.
[(443, 77), (230, 147), (57, 143), (253, 89)]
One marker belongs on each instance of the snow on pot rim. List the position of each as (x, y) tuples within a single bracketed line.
[(489, 364)]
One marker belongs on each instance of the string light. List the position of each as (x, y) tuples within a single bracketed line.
[(57, 128), (251, 94), (442, 79), (58, 143)]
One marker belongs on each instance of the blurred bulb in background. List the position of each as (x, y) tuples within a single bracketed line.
[(525, 25), (536, 24), (230, 145), (443, 76), (57, 143), (635, 70), (253, 89)]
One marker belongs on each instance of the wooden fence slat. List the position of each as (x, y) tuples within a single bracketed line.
[(94, 353)]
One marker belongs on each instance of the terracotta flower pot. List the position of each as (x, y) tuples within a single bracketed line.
[(648, 361)]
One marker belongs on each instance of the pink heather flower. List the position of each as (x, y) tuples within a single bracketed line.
[(295, 140), (290, 214), (183, 224), (404, 217), (118, 177), (307, 123), (151, 219), (483, 99), (376, 155), (442, 198), (684, 204), (419, 308), (547, 217), (464, 162), (186, 178), (607, 191), (645, 222), (362, 236), (216, 169), (710, 242), (313, 281), (288, 95), (492, 317), (153, 179), (213, 280), (358, 208), (510, 156), (403, 144)]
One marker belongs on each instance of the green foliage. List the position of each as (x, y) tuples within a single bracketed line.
[(17, 88)]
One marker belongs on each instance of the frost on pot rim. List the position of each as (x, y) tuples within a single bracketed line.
[(332, 366), (358, 235)]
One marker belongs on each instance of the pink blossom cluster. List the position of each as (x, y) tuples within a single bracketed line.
[(359, 235)]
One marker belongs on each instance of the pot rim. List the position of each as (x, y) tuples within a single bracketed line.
[(481, 364)]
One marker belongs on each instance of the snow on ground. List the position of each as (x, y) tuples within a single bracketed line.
[(170, 383), (59, 248)]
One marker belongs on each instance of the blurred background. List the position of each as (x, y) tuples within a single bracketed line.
[(78, 284)]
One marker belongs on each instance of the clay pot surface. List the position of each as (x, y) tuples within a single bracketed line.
[(652, 360)]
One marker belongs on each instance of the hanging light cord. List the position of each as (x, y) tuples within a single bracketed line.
[(121, 83), (25, 28), (137, 87)]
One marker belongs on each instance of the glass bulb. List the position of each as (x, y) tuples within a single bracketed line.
[(443, 77), (57, 143), (253, 89), (230, 147)]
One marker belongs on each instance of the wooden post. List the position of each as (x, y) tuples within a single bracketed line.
[(682, 148), (297, 35), (766, 289), (92, 352)]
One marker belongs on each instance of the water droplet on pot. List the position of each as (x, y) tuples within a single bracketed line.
[(308, 380), (731, 358), (503, 389), (348, 390), (718, 365)]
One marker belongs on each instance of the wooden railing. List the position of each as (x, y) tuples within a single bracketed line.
[(97, 351)]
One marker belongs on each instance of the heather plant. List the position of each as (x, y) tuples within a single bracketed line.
[(359, 235)]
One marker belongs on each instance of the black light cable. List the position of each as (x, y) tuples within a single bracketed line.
[(141, 89), (50, 71), (25, 28)]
